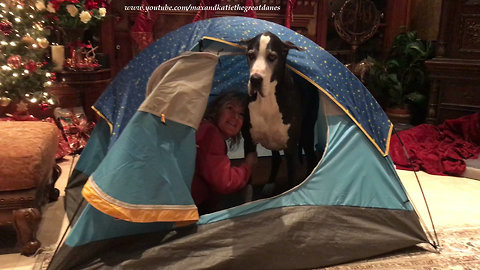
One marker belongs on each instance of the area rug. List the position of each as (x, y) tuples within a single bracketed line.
[(43, 258), (459, 249)]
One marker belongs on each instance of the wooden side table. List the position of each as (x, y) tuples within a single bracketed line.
[(80, 88)]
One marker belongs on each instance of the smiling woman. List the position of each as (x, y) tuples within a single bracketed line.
[(214, 174)]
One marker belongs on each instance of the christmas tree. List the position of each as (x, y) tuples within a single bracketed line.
[(24, 73)]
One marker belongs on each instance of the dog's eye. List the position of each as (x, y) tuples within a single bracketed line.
[(272, 57), (251, 55)]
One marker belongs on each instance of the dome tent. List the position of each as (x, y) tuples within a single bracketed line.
[(139, 164)]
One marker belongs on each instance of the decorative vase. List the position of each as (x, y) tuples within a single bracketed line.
[(399, 116)]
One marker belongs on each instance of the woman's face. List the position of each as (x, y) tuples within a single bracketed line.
[(230, 120)]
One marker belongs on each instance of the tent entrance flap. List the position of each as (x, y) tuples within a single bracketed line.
[(145, 176)]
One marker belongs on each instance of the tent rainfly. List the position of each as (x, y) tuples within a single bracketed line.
[(136, 170)]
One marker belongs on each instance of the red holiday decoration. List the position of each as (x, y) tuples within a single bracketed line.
[(250, 13), (142, 29), (75, 126), (206, 14), (6, 27), (14, 61), (82, 57), (44, 106), (91, 4), (31, 66), (289, 12)]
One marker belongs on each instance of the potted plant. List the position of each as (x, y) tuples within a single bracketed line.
[(401, 82)]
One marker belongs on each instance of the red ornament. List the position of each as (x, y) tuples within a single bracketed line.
[(31, 66), (6, 27), (14, 61), (44, 106)]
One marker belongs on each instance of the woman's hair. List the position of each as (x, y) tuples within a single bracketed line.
[(216, 106)]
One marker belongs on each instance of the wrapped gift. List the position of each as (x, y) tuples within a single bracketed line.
[(75, 125)]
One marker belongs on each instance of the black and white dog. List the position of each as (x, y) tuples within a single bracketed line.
[(282, 117)]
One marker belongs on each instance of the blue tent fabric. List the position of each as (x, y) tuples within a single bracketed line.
[(369, 181), (127, 91)]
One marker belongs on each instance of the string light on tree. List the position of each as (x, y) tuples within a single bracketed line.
[(23, 44)]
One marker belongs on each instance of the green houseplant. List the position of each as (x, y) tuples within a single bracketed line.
[(401, 81)]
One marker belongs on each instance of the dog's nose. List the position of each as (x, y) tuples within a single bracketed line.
[(256, 81)]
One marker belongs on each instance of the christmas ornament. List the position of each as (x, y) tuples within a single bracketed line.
[(14, 61), (6, 27), (28, 39), (43, 43), (43, 99), (44, 106), (5, 101), (22, 107), (31, 66), (20, 3)]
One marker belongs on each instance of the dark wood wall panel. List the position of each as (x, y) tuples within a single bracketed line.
[(455, 71), (310, 19)]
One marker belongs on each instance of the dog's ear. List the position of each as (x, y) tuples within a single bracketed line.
[(245, 41), (289, 45)]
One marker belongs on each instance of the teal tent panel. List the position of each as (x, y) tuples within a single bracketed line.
[(351, 173), (150, 166), (153, 161), (91, 156), (93, 225), (95, 150), (146, 175)]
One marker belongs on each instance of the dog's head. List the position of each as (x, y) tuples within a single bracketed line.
[(266, 55)]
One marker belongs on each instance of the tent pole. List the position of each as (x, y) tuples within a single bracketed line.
[(70, 221), (436, 242), (65, 233)]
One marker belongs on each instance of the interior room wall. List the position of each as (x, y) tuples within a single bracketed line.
[(426, 18)]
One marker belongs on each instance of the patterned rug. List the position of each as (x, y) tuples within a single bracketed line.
[(459, 249)]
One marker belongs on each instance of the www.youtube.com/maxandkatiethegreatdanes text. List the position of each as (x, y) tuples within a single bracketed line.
[(216, 7)]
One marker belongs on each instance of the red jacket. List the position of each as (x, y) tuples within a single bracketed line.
[(214, 174)]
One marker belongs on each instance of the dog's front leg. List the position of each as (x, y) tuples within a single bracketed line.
[(292, 164), (276, 161)]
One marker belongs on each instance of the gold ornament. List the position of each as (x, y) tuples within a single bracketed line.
[(43, 43), (5, 101), (22, 107), (28, 39)]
